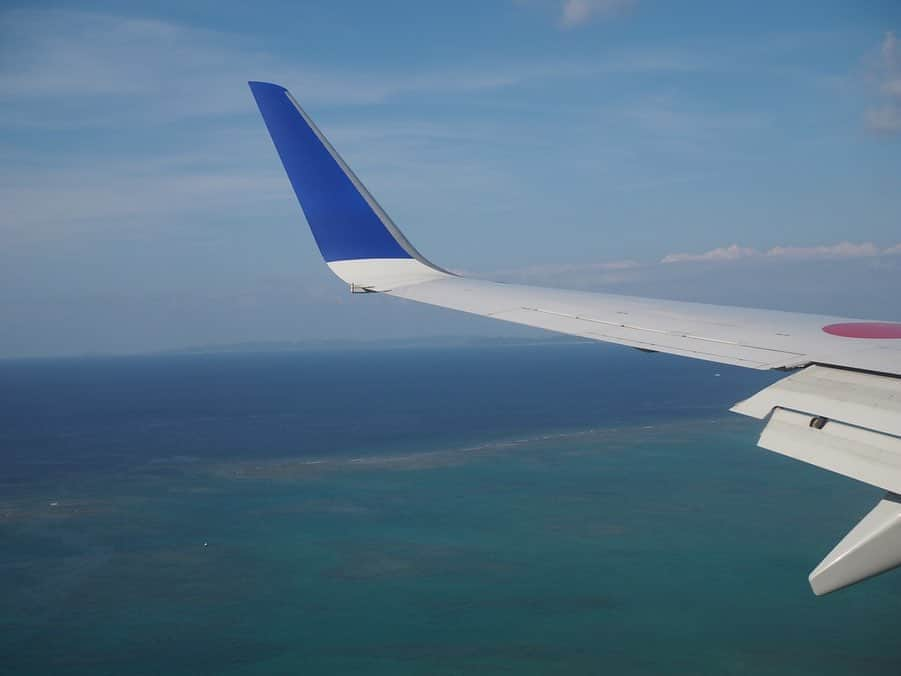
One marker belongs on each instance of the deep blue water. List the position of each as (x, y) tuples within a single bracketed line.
[(556, 508), (94, 414)]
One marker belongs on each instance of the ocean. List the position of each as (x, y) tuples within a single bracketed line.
[(548, 508)]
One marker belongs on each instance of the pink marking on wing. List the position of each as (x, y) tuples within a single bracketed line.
[(865, 330)]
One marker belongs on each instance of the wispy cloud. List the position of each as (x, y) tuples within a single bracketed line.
[(111, 68), (884, 117), (844, 279), (608, 269), (606, 273), (735, 252), (725, 253), (840, 250), (77, 73), (119, 198), (577, 12)]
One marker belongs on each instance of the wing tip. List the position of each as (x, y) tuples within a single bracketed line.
[(256, 85)]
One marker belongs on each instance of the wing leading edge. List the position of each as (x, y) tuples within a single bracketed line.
[(851, 426)]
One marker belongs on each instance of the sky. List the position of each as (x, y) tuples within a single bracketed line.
[(722, 152)]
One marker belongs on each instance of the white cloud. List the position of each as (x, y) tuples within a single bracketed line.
[(726, 253), (885, 73), (822, 251), (840, 250), (577, 12), (856, 274)]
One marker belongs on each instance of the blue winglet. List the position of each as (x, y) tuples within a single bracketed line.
[(346, 221)]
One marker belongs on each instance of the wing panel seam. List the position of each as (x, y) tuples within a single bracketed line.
[(673, 334)]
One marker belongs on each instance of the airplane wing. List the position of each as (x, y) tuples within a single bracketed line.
[(840, 407)]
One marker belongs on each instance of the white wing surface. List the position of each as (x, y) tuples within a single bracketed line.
[(840, 409), (761, 339)]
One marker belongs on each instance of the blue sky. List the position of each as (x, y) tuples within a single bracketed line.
[(749, 154)]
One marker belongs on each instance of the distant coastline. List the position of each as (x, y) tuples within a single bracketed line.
[(287, 346), (387, 343)]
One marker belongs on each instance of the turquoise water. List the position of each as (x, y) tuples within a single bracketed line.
[(530, 509)]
